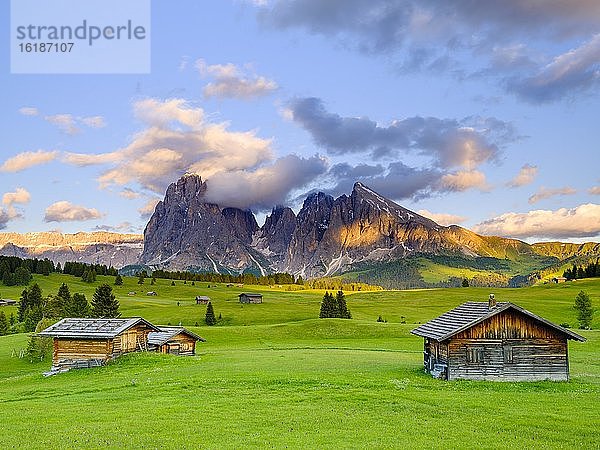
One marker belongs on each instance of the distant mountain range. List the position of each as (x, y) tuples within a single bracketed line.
[(328, 237)]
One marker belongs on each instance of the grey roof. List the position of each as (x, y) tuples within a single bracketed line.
[(166, 333), (202, 297), (92, 328), (249, 294), (470, 314)]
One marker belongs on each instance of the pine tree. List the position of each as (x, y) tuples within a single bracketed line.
[(104, 303), (343, 311), (79, 306), (583, 306), (118, 280), (465, 282), (209, 318), (328, 307), (23, 305), (3, 324), (64, 299), (141, 278)]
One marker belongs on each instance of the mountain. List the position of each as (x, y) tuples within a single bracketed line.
[(111, 249), (328, 236)]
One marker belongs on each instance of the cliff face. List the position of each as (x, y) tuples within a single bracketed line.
[(111, 249), (328, 236)]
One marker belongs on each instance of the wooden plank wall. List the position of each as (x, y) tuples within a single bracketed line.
[(81, 349)]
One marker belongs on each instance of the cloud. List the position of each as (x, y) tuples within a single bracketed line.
[(4, 218), (69, 124), (129, 193), (266, 186), (28, 111), (594, 190), (442, 218), (571, 72), (26, 160), (124, 227), (510, 41), (544, 193), (64, 211), (450, 143), (230, 81), (525, 176), (463, 180), (564, 223), (148, 209), (20, 195)]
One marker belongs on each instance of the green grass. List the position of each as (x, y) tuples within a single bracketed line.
[(277, 377)]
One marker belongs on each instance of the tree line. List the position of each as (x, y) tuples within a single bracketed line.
[(245, 278), (577, 272)]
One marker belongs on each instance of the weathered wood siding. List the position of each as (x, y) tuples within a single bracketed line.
[(434, 353), (180, 344), (509, 346), (132, 340), (80, 349)]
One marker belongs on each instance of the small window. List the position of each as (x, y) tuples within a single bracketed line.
[(474, 355), (507, 350)]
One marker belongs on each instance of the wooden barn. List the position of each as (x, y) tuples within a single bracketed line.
[(250, 298), (202, 300), (495, 341), (174, 340), (91, 342)]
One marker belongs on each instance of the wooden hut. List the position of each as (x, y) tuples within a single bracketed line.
[(250, 298), (174, 340), (495, 341), (8, 302), (202, 300), (91, 342)]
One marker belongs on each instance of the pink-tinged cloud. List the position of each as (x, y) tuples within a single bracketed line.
[(64, 211), (463, 180), (442, 218), (148, 209), (26, 160), (231, 81), (525, 176), (563, 223), (594, 190), (544, 193), (28, 111)]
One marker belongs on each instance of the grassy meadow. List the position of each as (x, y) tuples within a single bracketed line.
[(273, 375)]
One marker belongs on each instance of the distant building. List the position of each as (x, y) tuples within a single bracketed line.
[(92, 342), (7, 302), (131, 293), (202, 300), (250, 298), (152, 293), (495, 341), (559, 280), (174, 340)]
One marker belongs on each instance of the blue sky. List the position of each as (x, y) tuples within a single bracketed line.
[(483, 114)]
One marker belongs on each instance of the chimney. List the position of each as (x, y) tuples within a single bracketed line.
[(492, 302)]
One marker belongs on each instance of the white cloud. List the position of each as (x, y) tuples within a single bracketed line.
[(442, 218), (64, 211), (129, 193), (564, 223), (20, 195), (464, 180), (94, 121), (26, 160), (231, 81), (64, 122), (544, 193), (28, 111), (525, 176), (148, 209), (123, 227), (594, 190)]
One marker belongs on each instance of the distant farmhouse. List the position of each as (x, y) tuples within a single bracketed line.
[(202, 300), (7, 302), (495, 341), (558, 280), (250, 298), (80, 343)]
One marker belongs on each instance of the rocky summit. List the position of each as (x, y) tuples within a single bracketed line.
[(328, 236)]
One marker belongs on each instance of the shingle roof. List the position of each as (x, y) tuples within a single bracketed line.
[(470, 314), (161, 337), (92, 328)]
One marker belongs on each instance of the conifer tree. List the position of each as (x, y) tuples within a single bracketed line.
[(210, 318), (104, 303), (583, 306), (79, 306), (3, 324), (343, 311), (118, 280), (64, 299)]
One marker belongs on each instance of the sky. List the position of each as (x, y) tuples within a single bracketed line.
[(480, 114)]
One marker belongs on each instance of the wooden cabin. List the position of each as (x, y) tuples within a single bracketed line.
[(91, 342), (250, 298), (558, 280), (495, 341), (202, 300), (8, 302), (174, 340)]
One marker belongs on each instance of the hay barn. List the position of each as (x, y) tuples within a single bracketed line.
[(495, 341), (250, 298), (174, 340)]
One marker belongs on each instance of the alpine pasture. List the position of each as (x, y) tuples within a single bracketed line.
[(274, 375)]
